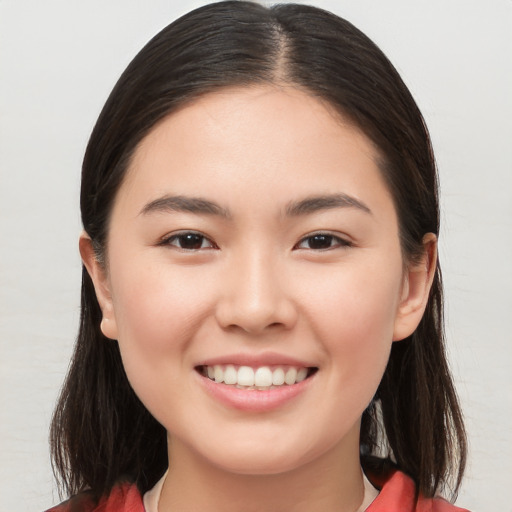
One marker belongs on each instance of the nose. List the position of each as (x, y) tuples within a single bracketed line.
[(255, 296)]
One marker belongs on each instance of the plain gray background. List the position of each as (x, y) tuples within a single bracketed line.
[(58, 61)]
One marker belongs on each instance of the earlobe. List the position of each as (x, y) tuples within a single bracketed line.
[(418, 280), (101, 283)]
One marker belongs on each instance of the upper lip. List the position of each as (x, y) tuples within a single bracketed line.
[(256, 360)]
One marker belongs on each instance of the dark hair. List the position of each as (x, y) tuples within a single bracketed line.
[(101, 431)]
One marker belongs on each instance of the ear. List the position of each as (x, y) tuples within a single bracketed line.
[(415, 290), (99, 277)]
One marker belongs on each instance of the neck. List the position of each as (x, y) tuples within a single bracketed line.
[(331, 482)]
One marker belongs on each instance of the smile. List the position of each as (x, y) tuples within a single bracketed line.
[(260, 378)]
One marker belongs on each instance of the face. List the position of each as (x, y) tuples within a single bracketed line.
[(255, 281)]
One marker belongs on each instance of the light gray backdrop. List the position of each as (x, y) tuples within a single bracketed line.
[(58, 62)]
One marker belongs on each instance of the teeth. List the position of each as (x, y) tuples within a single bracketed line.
[(290, 376), (218, 374), (262, 377), (301, 375), (245, 376), (278, 377), (230, 375)]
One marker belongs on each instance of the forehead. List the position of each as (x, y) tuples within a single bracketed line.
[(253, 136)]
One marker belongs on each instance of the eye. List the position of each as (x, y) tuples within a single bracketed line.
[(189, 241), (322, 241)]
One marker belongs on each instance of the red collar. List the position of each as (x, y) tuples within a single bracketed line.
[(398, 494)]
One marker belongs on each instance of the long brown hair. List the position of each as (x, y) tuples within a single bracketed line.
[(101, 432)]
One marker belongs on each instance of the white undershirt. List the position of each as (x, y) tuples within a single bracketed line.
[(152, 497)]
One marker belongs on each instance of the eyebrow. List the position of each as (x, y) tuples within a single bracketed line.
[(324, 202), (185, 204), (203, 206)]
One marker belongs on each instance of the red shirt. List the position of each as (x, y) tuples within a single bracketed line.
[(397, 495)]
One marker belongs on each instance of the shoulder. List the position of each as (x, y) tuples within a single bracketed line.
[(398, 492), (123, 498)]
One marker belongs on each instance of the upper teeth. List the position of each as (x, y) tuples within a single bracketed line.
[(262, 377)]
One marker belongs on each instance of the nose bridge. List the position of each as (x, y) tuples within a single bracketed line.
[(255, 298)]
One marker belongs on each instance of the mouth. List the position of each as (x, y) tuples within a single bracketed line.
[(262, 378)]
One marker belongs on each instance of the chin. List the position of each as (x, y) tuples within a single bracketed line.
[(257, 464), (259, 456)]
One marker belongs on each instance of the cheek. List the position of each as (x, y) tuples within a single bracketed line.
[(157, 316), (153, 308), (354, 313)]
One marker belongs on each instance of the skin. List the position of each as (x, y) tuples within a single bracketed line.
[(255, 284)]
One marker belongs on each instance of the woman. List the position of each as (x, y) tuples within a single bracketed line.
[(261, 300)]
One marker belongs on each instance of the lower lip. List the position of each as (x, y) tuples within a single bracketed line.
[(254, 400)]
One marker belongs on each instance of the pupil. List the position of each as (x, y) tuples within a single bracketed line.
[(320, 241), (191, 241)]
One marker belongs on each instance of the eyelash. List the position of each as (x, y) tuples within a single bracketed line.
[(333, 241), (199, 237)]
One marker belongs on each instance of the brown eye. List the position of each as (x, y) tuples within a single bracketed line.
[(189, 241), (322, 241)]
